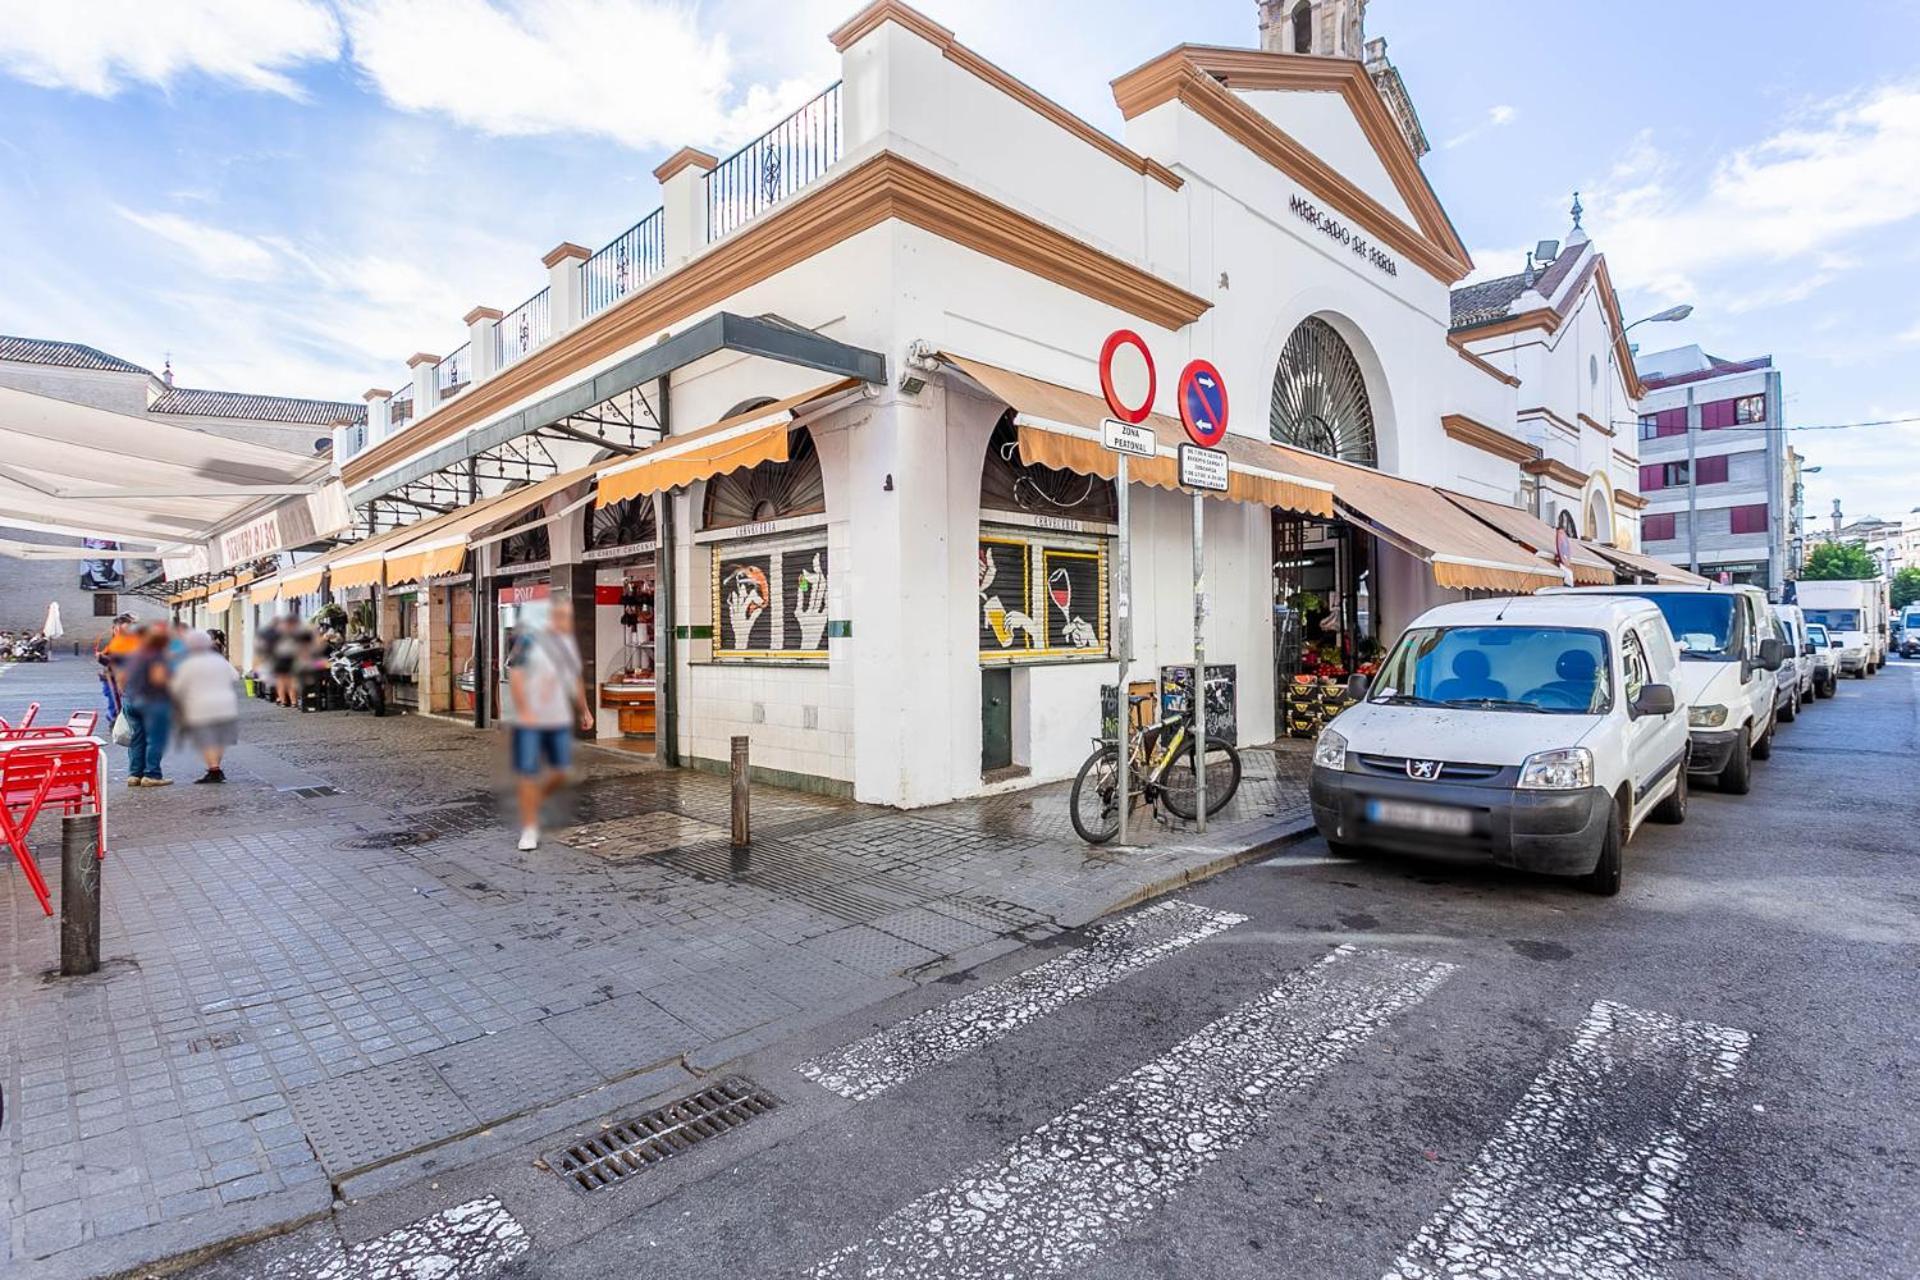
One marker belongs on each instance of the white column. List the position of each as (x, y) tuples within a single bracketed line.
[(378, 421), (426, 386), (483, 348), (563, 284), (683, 197)]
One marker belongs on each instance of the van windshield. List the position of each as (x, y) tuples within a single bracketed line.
[(1551, 670), (1702, 623), (1835, 619), (1817, 634)]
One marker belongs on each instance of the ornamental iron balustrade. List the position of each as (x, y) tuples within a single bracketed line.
[(525, 328), (775, 165), (455, 372), (628, 261), (400, 406)]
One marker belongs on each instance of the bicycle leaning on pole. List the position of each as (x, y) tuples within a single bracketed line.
[(1160, 757)]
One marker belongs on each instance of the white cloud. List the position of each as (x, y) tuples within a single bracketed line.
[(1783, 206), (226, 255), (1497, 117), (99, 47), (642, 73)]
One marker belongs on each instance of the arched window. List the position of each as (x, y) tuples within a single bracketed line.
[(1320, 397), (625, 523), (1009, 484), (770, 491), (1303, 27), (529, 544)]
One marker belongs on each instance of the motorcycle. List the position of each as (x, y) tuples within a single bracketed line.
[(28, 649), (355, 668)]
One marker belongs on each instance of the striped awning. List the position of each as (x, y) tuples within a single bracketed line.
[(1059, 427), (1588, 568), (1637, 562)]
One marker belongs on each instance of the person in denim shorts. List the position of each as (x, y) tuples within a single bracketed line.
[(547, 696)]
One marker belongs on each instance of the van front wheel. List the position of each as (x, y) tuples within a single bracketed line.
[(1604, 879), (1736, 778)]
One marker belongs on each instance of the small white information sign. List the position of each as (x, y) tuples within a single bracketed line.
[(1125, 437), (1203, 468)]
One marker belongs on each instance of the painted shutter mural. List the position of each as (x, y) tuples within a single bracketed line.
[(1042, 596), (771, 601)]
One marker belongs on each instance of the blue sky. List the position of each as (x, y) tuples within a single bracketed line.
[(295, 195)]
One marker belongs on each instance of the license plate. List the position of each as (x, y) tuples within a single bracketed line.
[(1420, 817)]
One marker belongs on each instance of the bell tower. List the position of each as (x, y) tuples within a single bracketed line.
[(1338, 29), (1326, 28)]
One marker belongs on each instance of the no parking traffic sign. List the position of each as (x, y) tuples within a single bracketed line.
[(1203, 403)]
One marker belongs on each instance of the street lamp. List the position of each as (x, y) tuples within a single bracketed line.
[(1671, 314)]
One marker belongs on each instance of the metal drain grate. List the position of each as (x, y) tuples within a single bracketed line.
[(632, 1145), (387, 840)]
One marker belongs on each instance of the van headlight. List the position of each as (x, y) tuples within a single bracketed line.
[(1711, 716), (1330, 752), (1568, 769)]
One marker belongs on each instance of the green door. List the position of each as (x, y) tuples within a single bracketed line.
[(996, 718)]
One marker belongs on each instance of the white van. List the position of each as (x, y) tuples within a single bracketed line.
[(1538, 731), (1846, 608), (1728, 657), (1799, 653)]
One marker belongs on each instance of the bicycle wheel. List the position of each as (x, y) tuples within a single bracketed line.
[(1178, 784), (1095, 801)]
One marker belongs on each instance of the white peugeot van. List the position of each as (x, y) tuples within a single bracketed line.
[(1538, 731), (1728, 657)]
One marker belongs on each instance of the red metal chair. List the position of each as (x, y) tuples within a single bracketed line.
[(81, 724), (38, 771), (26, 721)]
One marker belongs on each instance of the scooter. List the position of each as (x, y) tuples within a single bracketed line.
[(356, 669), (28, 649)]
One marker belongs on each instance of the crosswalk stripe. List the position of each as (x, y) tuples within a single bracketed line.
[(872, 1065), (470, 1241), (1583, 1178), (1055, 1195)]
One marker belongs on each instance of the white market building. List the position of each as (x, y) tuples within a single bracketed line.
[(823, 428)]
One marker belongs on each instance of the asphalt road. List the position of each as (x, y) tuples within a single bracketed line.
[(1389, 1068)]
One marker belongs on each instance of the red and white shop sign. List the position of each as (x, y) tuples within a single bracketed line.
[(524, 592)]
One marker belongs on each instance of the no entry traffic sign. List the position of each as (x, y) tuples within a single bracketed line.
[(1203, 403), (1121, 359)]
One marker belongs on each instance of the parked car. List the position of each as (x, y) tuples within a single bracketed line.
[(1799, 651), (1786, 684), (1826, 667), (1539, 732), (1728, 660)]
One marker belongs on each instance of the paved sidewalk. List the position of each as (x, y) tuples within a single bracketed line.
[(335, 973)]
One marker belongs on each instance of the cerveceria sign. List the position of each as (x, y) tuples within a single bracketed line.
[(1339, 232)]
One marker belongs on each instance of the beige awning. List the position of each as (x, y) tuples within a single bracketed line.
[(1060, 427), (1637, 562), (363, 563), (1537, 536), (1463, 553), (218, 601), (439, 546), (731, 444), (303, 579), (265, 590)]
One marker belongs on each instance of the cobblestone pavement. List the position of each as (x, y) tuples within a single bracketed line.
[(338, 960)]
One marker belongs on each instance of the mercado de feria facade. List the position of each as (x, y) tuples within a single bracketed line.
[(814, 448)]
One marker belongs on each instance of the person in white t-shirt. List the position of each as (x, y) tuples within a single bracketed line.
[(547, 696)]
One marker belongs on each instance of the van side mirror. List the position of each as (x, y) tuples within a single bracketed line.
[(1835, 644), (1807, 650), (1357, 688), (1771, 654), (1655, 700)]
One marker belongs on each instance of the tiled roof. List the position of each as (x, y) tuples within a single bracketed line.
[(1717, 368), (71, 355), (235, 404), (1488, 300)]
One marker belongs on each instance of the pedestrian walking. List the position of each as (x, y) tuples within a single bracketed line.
[(148, 707), (206, 700), (547, 696), (121, 644), (286, 659)]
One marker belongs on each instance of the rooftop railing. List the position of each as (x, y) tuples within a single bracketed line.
[(628, 261), (775, 165), (454, 372), (400, 407), (525, 328)]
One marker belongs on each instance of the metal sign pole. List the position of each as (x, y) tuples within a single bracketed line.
[(1123, 641), (1198, 696)]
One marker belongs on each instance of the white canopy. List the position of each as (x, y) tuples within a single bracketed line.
[(73, 469)]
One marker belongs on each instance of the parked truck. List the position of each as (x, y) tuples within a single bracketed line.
[(1855, 613)]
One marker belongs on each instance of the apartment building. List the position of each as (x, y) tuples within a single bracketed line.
[(1713, 466)]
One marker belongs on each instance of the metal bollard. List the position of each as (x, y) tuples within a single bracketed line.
[(742, 837), (79, 894)]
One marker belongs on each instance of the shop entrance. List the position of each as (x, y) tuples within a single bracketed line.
[(622, 545), (1324, 604), (996, 719)]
